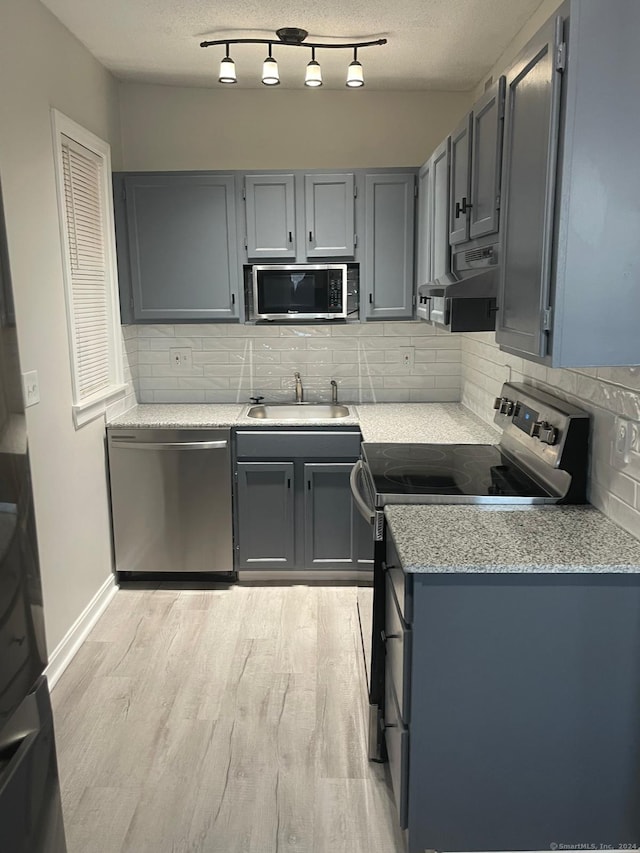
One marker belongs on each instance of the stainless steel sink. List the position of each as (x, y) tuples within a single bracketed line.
[(299, 411)]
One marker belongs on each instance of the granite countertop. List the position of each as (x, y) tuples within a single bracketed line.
[(382, 422), (508, 539)]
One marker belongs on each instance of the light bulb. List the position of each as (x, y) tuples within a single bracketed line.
[(355, 75), (227, 71), (313, 74), (270, 75)]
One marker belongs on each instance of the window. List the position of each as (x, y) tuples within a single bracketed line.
[(85, 204)]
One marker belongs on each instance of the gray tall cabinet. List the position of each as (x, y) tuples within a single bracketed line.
[(570, 277)]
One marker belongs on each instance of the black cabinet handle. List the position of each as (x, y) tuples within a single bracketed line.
[(309, 485), (384, 636), (288, 483), (371, 299), (457, 210), (233, 299), (465, 205), (311, 236), (290, 237)]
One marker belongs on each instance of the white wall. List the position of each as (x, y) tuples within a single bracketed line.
[(165, 127), (42, 65)]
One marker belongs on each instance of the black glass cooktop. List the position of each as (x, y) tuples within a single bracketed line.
[(471, 470)]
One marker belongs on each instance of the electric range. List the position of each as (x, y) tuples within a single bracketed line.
[(541, 458)]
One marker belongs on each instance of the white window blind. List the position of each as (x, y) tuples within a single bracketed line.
[(85, 229), (85, 203)]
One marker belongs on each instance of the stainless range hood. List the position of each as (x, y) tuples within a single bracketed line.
[(465, 299)]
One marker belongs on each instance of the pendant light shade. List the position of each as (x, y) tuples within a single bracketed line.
[(355, 74), (270, 74), (313, 74), (227, 70)]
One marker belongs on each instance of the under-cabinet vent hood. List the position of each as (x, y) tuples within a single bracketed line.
[(465, 299)]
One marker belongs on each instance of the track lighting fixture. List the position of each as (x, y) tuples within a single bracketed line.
[(293, 37)]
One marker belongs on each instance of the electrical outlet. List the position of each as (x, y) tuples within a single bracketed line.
[(407, 356), (181, 358), (622, 442), (30, 388)]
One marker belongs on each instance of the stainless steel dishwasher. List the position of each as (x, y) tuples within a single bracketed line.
[(171, 500)]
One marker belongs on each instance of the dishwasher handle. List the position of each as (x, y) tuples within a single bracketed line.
[(363, 508), (169, 445)]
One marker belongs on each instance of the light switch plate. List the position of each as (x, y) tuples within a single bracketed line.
[(181, 358), (407, 357), (30, 388)]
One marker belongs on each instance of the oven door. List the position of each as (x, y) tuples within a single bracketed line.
[(371, 613)]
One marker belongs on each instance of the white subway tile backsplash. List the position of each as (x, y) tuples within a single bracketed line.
[(231, 361)]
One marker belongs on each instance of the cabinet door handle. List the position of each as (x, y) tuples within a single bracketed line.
[(311, 236), (391, 725), (309, 485), (465, 205), (290, 237), (371, 299), (233, 299), (288, 483), (384, 636)]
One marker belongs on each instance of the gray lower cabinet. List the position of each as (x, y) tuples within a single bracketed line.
[(177, 249), (570, 286), (293, 501), (511, 708), (387, 283), (265, 510)]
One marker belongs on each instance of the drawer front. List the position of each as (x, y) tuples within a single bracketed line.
[(397, 651), (397, 741), (402, 583), (285, 444)]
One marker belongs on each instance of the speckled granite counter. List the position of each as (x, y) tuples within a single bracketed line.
[(178, 415), (398, 422), (436, 423), (540, 539)]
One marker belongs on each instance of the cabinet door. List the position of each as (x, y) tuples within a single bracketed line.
[(424, 230), (265, 505), (182, 246), (329, 516), (460, 182), (486, 161), (270, 201), (329, 216), (440, 251), (528, 187), (389, 224)]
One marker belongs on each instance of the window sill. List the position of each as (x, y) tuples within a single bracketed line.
[(89, 410)]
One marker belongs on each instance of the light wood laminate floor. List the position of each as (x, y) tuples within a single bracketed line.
[(221, 720)]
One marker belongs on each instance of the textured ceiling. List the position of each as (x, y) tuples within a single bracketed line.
[(433, 44)]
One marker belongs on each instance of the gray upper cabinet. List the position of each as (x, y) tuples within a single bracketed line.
[(460, 188), (424, 236), (486, 161), (178, 249), (439, 206), (329, 215), (271, 216), (530, 152), (570, 280), (389, 238), (476, 160)]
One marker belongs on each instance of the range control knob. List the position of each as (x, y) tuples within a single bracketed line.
[(497, 402), (534, 432), (548, 435), (507, 406)]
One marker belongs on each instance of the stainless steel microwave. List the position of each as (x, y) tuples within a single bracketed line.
[(299, 291)]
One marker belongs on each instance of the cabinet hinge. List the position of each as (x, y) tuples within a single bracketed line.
[(246, 242), (355, 239), (131, 302), (498, 202), (561, 56), (547, 317), (355, 191), (415, 189), (244, 192)]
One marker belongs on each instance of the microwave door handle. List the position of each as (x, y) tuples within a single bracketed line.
[(363, 508)]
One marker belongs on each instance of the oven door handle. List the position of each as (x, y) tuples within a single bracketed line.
[(363, 508)]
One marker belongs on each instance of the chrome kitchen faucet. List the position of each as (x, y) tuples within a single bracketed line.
[(299, 389)]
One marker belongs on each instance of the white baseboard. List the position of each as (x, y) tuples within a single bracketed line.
[(67, 648)]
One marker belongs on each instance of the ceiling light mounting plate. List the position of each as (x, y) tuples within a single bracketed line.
[(292, 35)]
